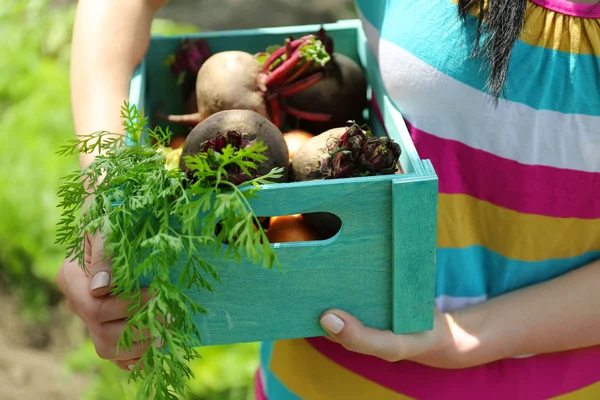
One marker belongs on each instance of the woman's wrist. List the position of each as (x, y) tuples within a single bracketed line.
[(465, 339), (459, 341)]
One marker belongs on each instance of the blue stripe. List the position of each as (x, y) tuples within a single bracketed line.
[(543, 79), (476, 271), (273, 387)]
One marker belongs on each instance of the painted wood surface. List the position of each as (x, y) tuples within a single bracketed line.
[(380, 266), (414, 217)]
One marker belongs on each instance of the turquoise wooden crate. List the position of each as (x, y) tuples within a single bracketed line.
[(381, 264)]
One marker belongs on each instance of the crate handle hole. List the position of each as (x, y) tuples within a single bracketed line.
[(309, 227)]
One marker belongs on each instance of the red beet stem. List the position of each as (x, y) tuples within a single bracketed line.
[(280, 51), (278, 75), (274, 105), (288, 48), (190, 119), (305, 114), (300, 85), (300, 71)]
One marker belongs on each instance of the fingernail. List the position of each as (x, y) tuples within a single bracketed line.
[(332, 323), (100, 280), (131, 367)]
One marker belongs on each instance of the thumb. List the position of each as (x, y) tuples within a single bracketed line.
[(354, 336), (98, 266)]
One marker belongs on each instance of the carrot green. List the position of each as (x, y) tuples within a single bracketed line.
[(153, 217)]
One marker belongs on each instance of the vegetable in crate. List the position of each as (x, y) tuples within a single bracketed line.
[(239, 80), (347, 152), (290, 228), (185, 64), (295, 139), (154, 217), (176, 142), (342, 95), (240, 129)]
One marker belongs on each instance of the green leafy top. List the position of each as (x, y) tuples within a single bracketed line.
[(315, 51), (310, 48), (153, 217)]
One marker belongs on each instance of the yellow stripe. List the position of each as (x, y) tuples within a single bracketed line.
[(466, 221), (561, 32), (312, 376), (552, 30), (587, 393)]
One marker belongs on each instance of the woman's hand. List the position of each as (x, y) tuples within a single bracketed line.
[(88, 296), (554, 316), (441, 347)]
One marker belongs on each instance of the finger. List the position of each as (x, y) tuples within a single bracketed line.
[(332, 339), (99, 267), (113, 308), (109, 351), (69, 269), (110, 333), (356, 337), (128, 365), (96, 310)]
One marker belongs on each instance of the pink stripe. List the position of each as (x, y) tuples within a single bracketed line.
[(537, 377), (259, 391), (532, 189), (569, 8)]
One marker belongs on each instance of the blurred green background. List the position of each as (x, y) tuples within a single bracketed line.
[(44, 350), (47, 350)]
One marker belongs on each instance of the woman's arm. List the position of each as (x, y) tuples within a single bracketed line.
[(557, 315), (110, 38)]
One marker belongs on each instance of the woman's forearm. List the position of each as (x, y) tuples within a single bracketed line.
[(110, 38), (558, 315)]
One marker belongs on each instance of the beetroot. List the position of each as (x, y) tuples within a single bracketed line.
[(238, 80), (347, 152), (241, 129), (342, 95), (227, 81), (185, 64)]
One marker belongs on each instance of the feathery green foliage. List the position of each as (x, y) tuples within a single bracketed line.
[(153, 218)]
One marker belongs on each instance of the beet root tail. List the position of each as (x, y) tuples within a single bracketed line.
[(189, 119)]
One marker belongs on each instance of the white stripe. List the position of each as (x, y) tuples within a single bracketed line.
[(442, 106), (263, 379), (449, 303)]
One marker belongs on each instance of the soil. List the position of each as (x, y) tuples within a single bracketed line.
[(32, 355)]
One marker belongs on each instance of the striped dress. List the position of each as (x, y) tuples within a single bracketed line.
[(519, 194)]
